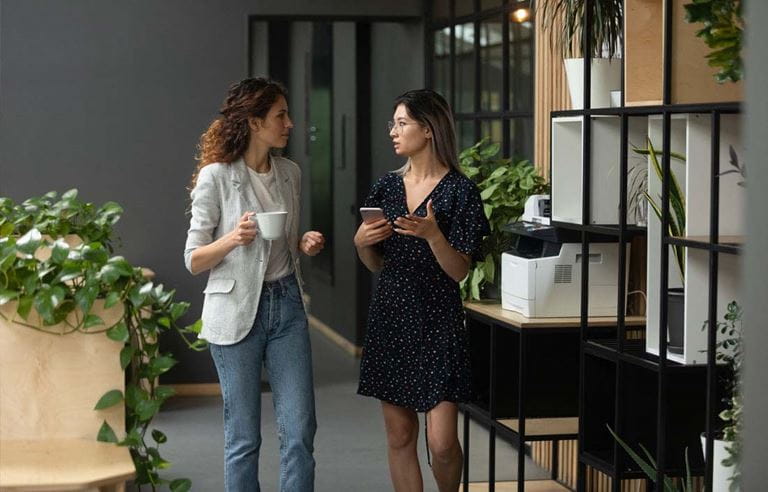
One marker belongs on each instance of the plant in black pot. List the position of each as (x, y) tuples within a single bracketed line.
[(504, 187), (675, 295)]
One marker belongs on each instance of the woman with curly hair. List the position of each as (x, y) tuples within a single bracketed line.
[(253, 313)]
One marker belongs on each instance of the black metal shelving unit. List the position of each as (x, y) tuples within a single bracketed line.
[(525, 375), (639, 394)]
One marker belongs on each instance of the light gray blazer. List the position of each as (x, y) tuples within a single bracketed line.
[(222, 195)]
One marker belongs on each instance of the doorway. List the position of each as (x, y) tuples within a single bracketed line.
[(327, 66)]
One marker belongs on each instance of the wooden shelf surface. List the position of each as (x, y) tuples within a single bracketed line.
[(739, 240), (545, 427), (511, 486), (494, 310), (62, 464)]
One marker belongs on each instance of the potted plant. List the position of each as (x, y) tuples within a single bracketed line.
[(565, 20), (57, 292), (638, 194), (504, 187)]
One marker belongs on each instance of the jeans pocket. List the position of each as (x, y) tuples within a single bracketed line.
[(294, 293)]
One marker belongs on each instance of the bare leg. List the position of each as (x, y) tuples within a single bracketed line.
[(402, 425), (444, 445)]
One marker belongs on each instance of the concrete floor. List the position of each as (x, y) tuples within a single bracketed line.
[(350, 444)]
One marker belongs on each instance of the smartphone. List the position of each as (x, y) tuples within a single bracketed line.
[(371, 214)]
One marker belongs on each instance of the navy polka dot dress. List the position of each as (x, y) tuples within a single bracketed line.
[(415, 352)]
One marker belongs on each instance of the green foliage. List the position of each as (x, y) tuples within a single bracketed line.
[(723, 32), (729, 351), (648, 466), (568, 15), (504, 187), (63, 288), (58, 217), (676, 201)]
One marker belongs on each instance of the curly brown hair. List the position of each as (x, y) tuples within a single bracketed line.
[(227, 137)]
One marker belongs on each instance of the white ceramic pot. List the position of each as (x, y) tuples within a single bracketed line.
[(606, 77), (720, 474)]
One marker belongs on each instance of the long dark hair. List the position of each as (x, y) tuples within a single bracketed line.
[(227, 137), (432, 111)]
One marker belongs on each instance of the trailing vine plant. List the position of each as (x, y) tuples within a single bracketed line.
[(64, 286)]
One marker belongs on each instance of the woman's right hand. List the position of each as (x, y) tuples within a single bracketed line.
[(372, 233), (245, 231)]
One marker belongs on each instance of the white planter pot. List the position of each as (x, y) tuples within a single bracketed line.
[(720, 474), (606, 77)]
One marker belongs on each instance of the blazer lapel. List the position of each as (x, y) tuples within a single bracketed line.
[(241, 181)]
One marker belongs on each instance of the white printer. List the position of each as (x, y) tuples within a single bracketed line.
[(541, 273)]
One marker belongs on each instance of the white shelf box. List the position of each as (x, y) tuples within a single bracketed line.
[(690, 136), (566, 177)]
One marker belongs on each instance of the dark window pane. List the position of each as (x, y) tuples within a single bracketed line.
[(441, 10), (489, 4), (320, 141), (521, 138), (465, 7), (491, 129), (466, 133), (442, 62), (491, 63), (465, 68), (521, 66)]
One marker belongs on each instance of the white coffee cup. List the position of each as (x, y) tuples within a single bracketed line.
[(271, 224)]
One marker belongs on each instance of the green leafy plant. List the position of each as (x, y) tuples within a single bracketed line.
[(676, 197), (729, 352), (504, 187), (58, 217), (648, 466), (65, 286), (738, 168), (565, 19), (723, 32)]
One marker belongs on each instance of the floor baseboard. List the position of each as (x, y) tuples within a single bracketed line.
[(197, 389), (335, 337)]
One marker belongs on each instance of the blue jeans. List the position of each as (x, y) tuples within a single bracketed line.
[(279, 340)]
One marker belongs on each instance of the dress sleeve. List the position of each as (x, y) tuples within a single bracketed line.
[(469, 225), (375, 197)]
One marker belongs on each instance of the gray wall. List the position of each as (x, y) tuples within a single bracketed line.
[(111, 96), (756, 262)]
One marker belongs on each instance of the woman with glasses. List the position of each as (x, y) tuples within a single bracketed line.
[(415, 355), (253, 313)]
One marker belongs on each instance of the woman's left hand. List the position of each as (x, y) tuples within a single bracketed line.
[(312, 243), (423, 227)]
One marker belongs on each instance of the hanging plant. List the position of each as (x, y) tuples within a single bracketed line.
[(65, 284), (723, 32)]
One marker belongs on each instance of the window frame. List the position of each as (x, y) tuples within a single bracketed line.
[(506, 114)]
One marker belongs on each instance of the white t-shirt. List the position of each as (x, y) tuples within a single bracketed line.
[(279, 263)]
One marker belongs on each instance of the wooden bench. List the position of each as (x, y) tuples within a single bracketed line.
[(49, 385)]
